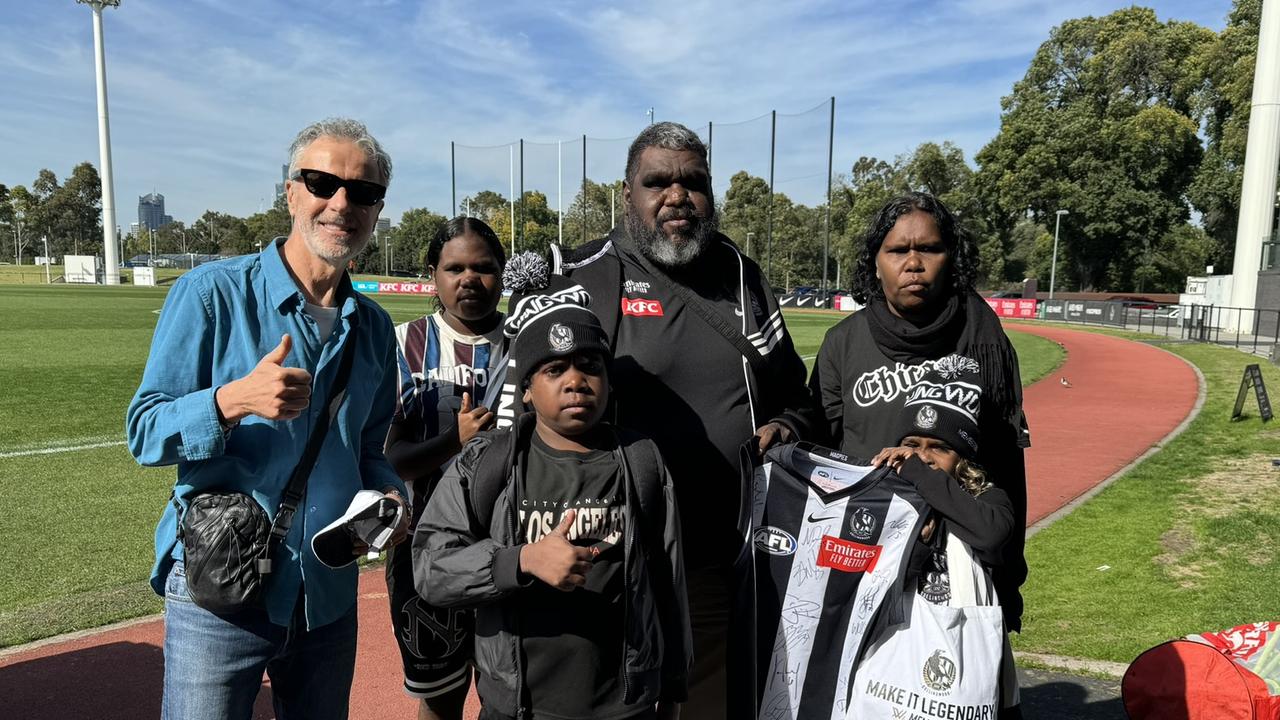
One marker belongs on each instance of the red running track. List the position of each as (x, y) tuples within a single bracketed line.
[(1124, 398)]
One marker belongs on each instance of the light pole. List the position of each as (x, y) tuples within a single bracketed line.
[(1053, 269), (210, 226), (18, 244), (104, 144)]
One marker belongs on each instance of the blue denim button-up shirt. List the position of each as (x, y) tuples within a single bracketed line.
[(218, 321)]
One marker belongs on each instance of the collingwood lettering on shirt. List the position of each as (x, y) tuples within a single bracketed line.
[(828, 546), (887, 384)]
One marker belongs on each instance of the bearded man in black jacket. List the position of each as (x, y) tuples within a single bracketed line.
[(703, 363)]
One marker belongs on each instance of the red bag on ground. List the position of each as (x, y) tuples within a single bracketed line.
[(1229, 675)]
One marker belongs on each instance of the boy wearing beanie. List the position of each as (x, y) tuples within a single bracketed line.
[(563, 534)]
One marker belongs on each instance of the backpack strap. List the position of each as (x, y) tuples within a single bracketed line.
[(493, 469), (641, 457)]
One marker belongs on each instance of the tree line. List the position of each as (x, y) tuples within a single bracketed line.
[(1135, 127)]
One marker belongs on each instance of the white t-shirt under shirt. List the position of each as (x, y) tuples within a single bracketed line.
[(325, 318)]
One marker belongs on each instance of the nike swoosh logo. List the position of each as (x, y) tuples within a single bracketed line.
[(813, 519)]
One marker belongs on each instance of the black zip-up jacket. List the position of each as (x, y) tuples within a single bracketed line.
[(779, 392), (465, 553), (698, 436)]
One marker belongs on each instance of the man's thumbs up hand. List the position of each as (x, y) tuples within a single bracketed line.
[(270, 390), (281, 351)]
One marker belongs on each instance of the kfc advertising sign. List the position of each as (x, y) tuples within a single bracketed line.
[(407, 288)]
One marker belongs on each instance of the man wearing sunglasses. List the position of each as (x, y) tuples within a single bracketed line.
[(242, 368)]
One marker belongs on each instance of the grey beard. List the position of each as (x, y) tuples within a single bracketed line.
[(666, 253)]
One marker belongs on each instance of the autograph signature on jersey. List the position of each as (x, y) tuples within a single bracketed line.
[(796, 610), (896, 529)]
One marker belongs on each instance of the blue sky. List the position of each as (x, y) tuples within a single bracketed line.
[(205, 95)]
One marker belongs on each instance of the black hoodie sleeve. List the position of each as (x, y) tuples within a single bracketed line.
[(414, 460), (985, 522)]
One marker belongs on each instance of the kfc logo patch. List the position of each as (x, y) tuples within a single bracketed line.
[(641, 307)]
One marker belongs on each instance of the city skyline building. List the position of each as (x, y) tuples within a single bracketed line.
[(151, 211)]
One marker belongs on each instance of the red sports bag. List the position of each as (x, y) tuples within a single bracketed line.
[(1230, 675)]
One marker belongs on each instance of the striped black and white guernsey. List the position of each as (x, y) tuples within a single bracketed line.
[(829, 542)]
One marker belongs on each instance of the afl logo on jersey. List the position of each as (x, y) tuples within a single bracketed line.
[(774, 541), (561, 338), (862, 524)]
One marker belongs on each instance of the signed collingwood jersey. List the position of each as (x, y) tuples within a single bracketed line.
[(829, 541)]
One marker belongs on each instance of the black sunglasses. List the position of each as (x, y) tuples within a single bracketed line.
[(325, 185)]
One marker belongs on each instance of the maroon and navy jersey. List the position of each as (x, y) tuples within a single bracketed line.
[(828, 543), (437, 365)]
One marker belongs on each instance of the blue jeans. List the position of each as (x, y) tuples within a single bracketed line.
[(213, 664)]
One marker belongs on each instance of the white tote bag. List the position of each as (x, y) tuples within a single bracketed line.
[(944, 661)]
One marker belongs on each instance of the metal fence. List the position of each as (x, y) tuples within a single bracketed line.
[(1252, 330), (580, 179), (184, 261)]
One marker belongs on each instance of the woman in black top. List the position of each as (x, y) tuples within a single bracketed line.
[(915, 273)]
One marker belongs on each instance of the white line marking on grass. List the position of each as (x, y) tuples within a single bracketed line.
[(59, 449)]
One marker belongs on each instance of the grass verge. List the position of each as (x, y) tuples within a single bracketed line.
[(1184, 542), (1037, 356)]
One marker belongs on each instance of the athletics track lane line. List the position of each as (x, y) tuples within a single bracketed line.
[(1125, 398)]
